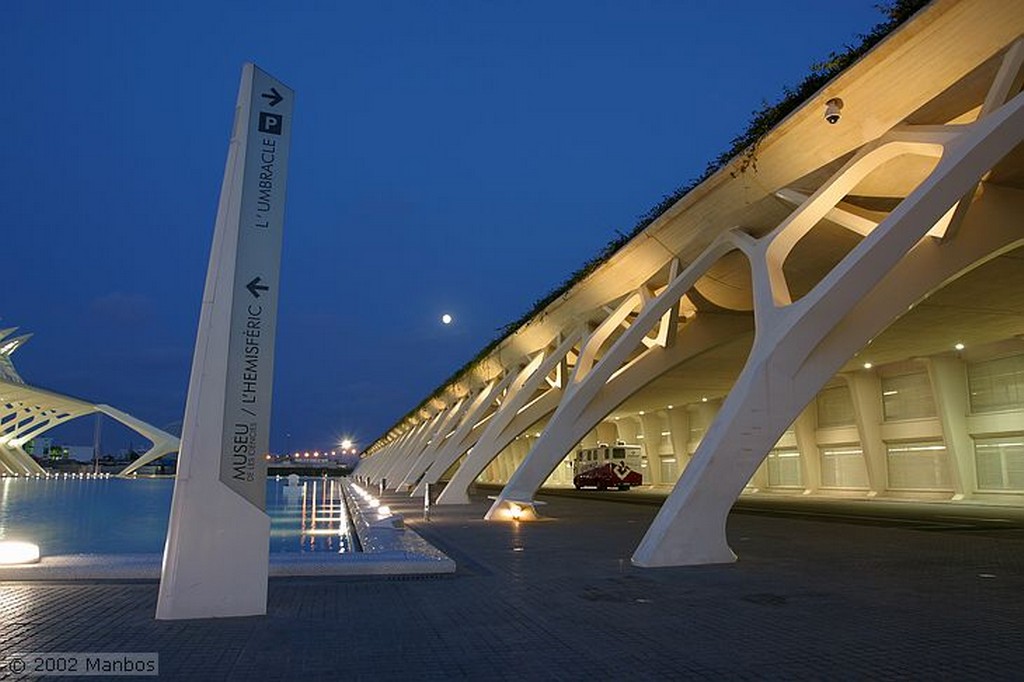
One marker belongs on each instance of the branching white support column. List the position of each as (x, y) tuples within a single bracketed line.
[(799, 346), (17, 461), (430, 468), (386, 457), (163, 443), (437, 439), (514, 416), (467, 434), (449, 430), (592, 397), (373, 465), (436, 429), (416, 442)]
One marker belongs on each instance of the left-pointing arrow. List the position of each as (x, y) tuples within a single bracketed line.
[(255, 287), (273, 97)]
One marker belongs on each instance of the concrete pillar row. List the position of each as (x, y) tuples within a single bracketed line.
[(469, 431), (589, 400), (418, 462), (800, 345), (415, 445), (529, 400), (607, 432)]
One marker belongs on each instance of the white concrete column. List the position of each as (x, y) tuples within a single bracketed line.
[(469, 431), (948, 376), (421, 439), (704, 414), (679, 436), (651, 423), (627, 428), (800, 345), (450, 418), (607, 432), (521, 409), (866, 393), (591, 397), (805, 430), (418, 464)]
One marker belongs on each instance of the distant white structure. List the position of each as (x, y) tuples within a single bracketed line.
[(27, 412)]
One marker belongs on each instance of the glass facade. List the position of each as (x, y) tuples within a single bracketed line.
[(996, 385), (1000, 463), (907, 396), (784, 468), (843, 467), (835, 407), (918, 466)]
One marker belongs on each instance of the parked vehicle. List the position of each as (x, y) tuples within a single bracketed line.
[(607, 466)]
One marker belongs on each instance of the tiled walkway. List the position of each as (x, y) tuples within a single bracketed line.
[(559, 599)]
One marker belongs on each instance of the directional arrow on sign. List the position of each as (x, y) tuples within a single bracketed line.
[(255, 287), (274, 97)]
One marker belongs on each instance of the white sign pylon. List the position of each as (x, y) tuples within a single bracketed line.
[(217, 552)]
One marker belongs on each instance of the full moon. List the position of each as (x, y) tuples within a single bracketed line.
[(446, 319)]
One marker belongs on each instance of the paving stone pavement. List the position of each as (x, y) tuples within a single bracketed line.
[(558, 600)]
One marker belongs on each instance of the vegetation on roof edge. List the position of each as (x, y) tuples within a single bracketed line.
[(744, 147)]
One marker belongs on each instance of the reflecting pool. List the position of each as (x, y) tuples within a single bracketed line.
[(129, 516)]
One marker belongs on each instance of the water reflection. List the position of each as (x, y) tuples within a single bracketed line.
[(119, 516), (317, 507)]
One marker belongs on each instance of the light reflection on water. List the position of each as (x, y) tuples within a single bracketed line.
[(118, 516)]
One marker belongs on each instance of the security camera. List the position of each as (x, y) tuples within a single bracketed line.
[(833, 107)]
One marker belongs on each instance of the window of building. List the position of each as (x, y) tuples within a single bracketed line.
[(784, 468), (843, 467), (1000, 463), (918, 466), (835, 407), (907, 396), (996, 384)]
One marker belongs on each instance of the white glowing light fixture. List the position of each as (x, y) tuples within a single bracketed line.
[(346, 444), (959, 346), (515, 511), (13, 553), (446, 319), (868, 365)]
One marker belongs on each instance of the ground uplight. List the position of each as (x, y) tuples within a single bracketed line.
[(13, 552)]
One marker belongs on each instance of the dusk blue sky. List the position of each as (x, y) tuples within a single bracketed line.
[(461, 157)]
